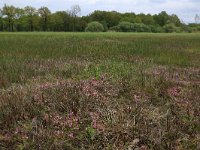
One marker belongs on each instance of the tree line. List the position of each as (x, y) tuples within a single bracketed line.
[(42, 19)]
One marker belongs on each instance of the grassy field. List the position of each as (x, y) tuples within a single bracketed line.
[(99, 91)]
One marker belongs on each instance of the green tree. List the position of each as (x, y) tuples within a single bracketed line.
[(110, 18), (126, 26), (94, 27), (30, 19), (44, 13), (138, 19), (128, 17), (175, 20), (140, 27), (1, 20), (169, 28), (148, 19), (31, 15), (82, 25), (9, 13), (105, 25), (87, 18), (157, 29), (19, 21), (60, 21), (162, 18)]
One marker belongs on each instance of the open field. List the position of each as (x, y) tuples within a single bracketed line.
[(99, 91)]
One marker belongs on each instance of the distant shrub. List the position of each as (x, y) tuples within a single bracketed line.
[(131, 27), (189, 30), (115, 28), (179, 30), (126, 26), (140, 27), (105, 25), (198, 28), (194, 28), (169, 28), (186, 28), (157, 29), (94, 27)]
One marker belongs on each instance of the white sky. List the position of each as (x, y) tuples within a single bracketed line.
[(185, 9)]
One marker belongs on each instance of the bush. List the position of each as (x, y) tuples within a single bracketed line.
[(186, 28), (94, 27), (140, 27), (132, 27), (169, 28), (198, 28), (115, 28), (105, 26), (126, 26), (157, 29)]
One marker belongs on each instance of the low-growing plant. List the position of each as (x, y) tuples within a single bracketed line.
[(99, 91), (126, 26), (169, 28), (94, 27)]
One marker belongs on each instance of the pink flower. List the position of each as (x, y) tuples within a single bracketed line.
[(95, 123), (94, 115), (175, 91), (72, 120), (71, 135)]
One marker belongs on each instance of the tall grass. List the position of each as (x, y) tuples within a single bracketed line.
[(99, 91)]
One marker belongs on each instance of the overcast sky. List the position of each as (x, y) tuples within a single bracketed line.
[(185, 9)]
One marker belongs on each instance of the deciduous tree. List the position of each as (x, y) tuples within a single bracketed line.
[(1, 20), (75, 12), (9, 13), (162, 18), (44, 13), (31, 14), (60, 21)]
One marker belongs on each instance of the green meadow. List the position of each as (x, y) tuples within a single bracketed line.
[(99, 91)]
